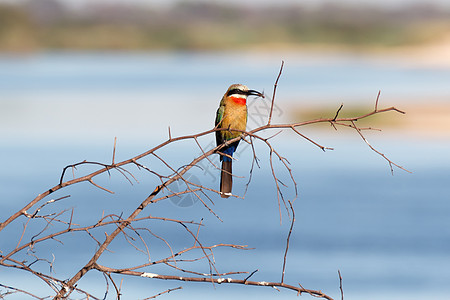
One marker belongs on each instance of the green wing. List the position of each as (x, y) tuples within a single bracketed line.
[(219, 114)]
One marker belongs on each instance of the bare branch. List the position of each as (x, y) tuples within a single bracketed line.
[(142, 238), (299, 290), (274, 91)]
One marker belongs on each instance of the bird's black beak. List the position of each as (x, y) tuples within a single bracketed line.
[(255, 93)]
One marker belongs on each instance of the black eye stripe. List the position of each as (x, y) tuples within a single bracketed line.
[(236, 91)]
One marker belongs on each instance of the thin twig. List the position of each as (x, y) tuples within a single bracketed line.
[(251, 274), (337, 112), (114, 150), (340, 285), (391, 163), (274, 91), (165, 292), (288, 241), (376, 101)]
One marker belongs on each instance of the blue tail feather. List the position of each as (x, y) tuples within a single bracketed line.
[(230, 150)]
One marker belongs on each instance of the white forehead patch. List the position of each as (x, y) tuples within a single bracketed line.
[(238, 86)]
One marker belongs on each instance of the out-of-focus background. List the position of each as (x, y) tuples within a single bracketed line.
[(76, 74)]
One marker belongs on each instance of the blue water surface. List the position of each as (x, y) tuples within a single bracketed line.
[(388, 234)]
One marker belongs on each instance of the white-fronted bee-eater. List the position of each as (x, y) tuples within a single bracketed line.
[(232, 114)]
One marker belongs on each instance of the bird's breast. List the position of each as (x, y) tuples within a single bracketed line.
[(235, 117)]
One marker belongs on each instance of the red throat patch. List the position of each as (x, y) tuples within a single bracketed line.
[(238, 100)]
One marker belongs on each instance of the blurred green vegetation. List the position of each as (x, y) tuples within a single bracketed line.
[(47, 24)]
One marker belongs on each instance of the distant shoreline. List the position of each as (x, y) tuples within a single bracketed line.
[(432, 55), (429, 120)]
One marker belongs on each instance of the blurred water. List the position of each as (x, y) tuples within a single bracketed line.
[(389, 235), (343, 76)]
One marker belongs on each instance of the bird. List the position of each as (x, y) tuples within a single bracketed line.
[(231, 114)]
